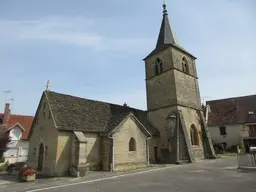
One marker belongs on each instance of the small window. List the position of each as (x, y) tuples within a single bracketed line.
[(49, 115), (132, 144), (223, 130), (158, 66), (184, 65), (44, 105), (252, 130), (44, 115), (194, 135)]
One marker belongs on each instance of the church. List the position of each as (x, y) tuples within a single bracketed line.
[(71, 135)]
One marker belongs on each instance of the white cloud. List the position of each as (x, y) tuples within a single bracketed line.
[(223, 40), (72, 30)]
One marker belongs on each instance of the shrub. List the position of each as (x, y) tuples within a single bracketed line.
[(4, 140), (1, 159)]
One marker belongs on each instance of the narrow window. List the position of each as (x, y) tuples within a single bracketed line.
[(184, 65), (132, 144), (44, 115), (158, 66), (194, 135), (223, 130), (252, 130), (49, 115), (44, 105), (156, 70)]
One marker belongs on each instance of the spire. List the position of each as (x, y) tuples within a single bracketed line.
[(166, 34)]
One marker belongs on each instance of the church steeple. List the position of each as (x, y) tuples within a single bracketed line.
[(166, 34)]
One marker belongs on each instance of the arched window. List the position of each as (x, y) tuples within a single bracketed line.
[(132, 144), (184, 65), (194, 135), (158, 66)]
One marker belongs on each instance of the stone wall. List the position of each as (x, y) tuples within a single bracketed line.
[(44, 131), (191, 117), (187, 88), (105, 150), (123, 158), (93, 149), (63, 156), (159, 119)]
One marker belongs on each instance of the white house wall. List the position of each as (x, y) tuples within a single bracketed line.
[(234, 133), (15, 133), (18, 149)]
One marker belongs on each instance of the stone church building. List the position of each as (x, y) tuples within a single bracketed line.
[(70, 135)]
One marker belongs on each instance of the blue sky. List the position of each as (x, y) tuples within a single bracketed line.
[(94, 49)]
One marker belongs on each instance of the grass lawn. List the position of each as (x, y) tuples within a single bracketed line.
[(227, 155)]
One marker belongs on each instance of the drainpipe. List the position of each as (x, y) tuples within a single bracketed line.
[(178, 138), (112, 152), (206, 114), (147, 142)]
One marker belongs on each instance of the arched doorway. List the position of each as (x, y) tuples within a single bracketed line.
[(40, 157)]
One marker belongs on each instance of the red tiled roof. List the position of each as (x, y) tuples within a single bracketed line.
[(232, 111), (23, 120)]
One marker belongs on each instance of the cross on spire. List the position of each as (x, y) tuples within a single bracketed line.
[(48, 85), (164, 7), (166, 34)]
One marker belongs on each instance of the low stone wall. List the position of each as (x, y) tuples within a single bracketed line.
[(197, 153), (246, 160), (129, 166)]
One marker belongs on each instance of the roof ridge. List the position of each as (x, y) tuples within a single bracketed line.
[(94, 100), (22, 115), (229, 98)]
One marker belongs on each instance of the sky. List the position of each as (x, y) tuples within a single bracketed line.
[(94, 49)]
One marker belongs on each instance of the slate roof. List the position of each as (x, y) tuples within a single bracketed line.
[(167, 36), (80, 114), (232, 111)]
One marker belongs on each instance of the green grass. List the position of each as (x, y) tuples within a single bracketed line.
[(1, 159), (227, 155), (3, 168)]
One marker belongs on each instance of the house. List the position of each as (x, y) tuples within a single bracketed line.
[(18, 127), (70, 134), (231, 119)]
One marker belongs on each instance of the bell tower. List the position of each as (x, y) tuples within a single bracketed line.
[(173, 98)]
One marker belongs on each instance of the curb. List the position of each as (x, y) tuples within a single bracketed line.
[(6, 182), (247, 168)]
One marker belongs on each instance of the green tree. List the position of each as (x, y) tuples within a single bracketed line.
[(4, 140)]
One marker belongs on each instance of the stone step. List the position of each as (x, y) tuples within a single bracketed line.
[(180, 162)]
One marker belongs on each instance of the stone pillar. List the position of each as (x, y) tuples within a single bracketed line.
[(82, 154), (79, 155)]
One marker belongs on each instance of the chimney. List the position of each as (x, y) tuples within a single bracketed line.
[(6, 114)]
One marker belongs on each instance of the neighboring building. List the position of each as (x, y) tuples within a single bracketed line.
[(18, 127), (71, 134), (231, 119)]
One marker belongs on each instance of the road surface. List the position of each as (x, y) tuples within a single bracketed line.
[(219, 175)]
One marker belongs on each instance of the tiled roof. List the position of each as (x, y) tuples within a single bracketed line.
[(235, 110), (23, 120), (80, 114)]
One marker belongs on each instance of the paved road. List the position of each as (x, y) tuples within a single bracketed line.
[(206, 176)]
